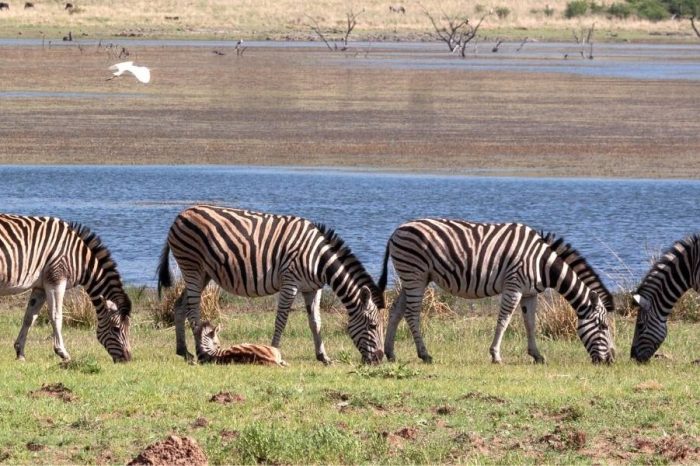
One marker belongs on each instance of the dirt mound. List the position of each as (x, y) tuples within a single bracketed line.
[(226, 398), (55, 390), (174, 450)]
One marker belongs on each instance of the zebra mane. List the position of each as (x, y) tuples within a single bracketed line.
[(668, 256), (98, 248), (346, 255), (578, 264)]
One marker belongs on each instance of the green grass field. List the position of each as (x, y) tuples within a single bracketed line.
[(461, 409)]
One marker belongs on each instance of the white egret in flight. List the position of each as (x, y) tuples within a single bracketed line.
[(142, 73)]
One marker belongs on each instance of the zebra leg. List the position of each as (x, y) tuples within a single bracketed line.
[(509, 301), (36, 300), (180, 311), (284, 303), (313, 311), (395, 315), (54, 299), (529, 307), (414, 299)]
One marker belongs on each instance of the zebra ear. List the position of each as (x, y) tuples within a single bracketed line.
[(217, 329), (639, 299), (365, 296), (109, 305)]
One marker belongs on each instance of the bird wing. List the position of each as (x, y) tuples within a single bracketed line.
[(121, 67), (142, 73)]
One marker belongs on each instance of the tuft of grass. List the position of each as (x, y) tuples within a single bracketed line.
[(78, 310), (83, 364), (555, 318), (162, 312), (386, 371)]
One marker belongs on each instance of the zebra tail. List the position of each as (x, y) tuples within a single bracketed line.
[(165, 279), (381, 284)]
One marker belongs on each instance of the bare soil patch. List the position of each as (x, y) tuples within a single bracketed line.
[(227, 398), (55, 390), (482, 397), (306, 107), (172, 451)]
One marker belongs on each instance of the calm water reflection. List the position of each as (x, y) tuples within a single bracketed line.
[(616, 224)]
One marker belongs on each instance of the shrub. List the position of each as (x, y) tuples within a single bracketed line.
[(682, 7), (576, 8), (620, 10), (548, 11), (556, 320), (597, 8), (502, 12), (651, 10), (479, 8)]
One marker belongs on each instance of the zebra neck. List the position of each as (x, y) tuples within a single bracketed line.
[(346, 278), (665, 286), (104, 286), (559, 276)]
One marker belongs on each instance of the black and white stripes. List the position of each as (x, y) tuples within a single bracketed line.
[(258, 254), (476, 260), (47, 256), (677, 271)]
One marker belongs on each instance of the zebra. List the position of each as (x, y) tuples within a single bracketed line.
[(477, 260), (47, 256), (255, 254), (209, 349), (677, 271)]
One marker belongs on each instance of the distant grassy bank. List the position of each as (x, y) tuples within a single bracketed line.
[(461, 409), (290, 19)]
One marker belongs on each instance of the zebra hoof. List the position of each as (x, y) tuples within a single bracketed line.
[(391, 357), (20, 357), (324, 359), (539, 359), (427, 359)]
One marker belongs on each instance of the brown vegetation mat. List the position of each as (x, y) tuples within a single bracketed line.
[(226, 398), (55, 390), (311, 107), (172, 451)]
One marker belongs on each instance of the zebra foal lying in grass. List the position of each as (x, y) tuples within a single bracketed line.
[(677, 271), (47, 256), (208, 346), (477, 260)]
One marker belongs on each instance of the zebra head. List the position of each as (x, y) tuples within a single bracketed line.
[(594, 331), (113, 327), (206, 338), (649, 330), (366, 329)]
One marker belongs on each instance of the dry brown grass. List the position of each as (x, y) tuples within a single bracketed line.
[(290, 18), (78, 310), (162, 313)]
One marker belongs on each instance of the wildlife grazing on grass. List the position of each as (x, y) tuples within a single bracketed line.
[(69, 6), (476, 260), (677, 271), (258, 254), (28, 5), (141, 73), (209, 349), (4, 6), (47, 256)]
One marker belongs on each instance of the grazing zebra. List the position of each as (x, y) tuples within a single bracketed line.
[(209, 349), (476, 260), (677, 271), (48, 255), (259, 254)]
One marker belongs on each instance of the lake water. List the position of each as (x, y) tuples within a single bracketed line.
[(611, 60), (616, 224)]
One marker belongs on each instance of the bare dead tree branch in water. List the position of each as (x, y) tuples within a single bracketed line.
[(455, 31), (583, 40), (694, 26), (351, 22)]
